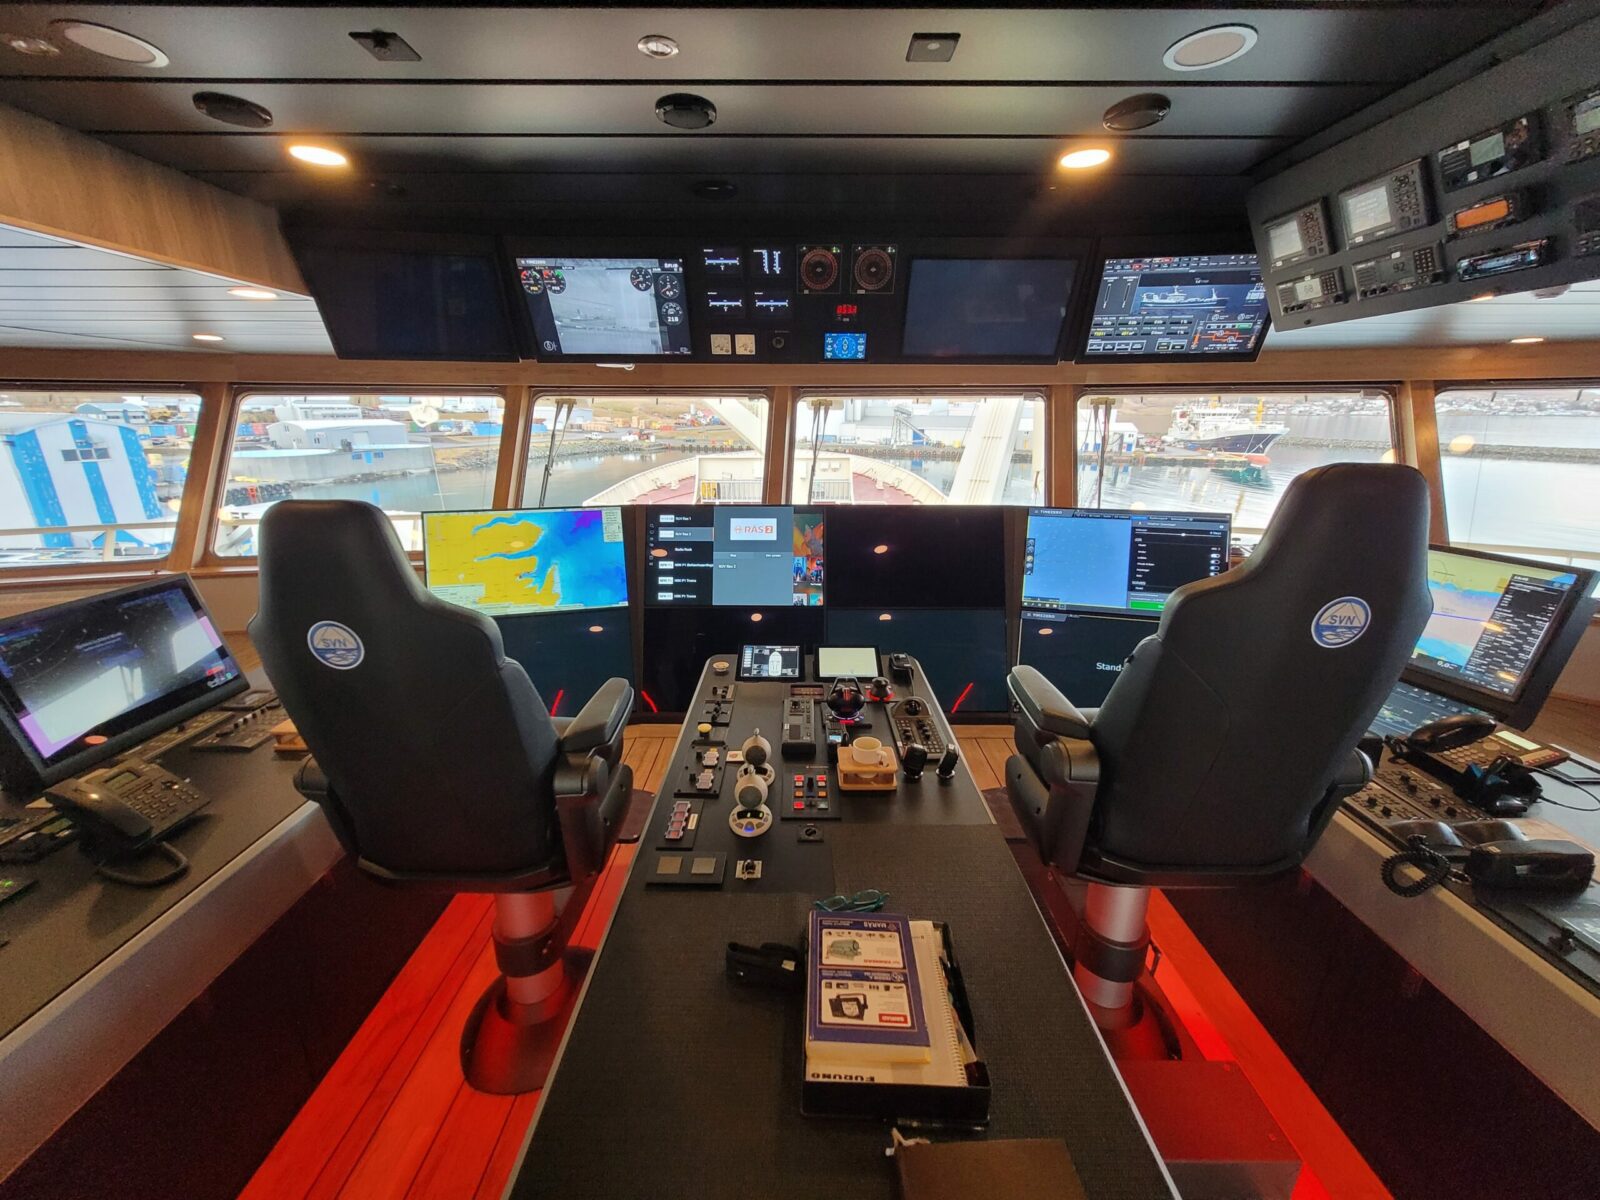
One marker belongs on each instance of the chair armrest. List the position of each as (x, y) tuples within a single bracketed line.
[(1043, 704), (601, 719)]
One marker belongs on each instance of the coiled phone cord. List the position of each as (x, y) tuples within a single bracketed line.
[(1434, 866), (178, 869)]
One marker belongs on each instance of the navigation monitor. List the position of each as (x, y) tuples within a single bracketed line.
[(536, 560), (83, 681), (725, 555), (1204, 306), (1109, 560), (606, 307), (1493, 619), (986, 307), (1081, 653)]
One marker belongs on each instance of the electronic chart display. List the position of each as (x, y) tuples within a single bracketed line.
[(1118, 561), (754, 556), (1188, 306), (75, 675), (606, 307), (1490, 620), (526, 560)]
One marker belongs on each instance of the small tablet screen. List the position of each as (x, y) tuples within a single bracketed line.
[(835, 662), (769, 662)]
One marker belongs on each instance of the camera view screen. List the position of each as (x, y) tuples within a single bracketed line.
[(597, 307), (724, 555), (74, 675), (1198, 305), (769, 662), (526, 561)]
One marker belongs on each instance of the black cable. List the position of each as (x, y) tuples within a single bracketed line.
[(1581, 785), (1434, 866), (180, 868)]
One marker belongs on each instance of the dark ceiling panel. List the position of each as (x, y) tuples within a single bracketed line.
[(788, 110), (1331, 41), (388, 156)]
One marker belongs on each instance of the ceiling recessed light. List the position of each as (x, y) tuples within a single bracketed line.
[(206, 337), (1137, 112), (1526, 341), (1207, 48), (318, 156), (657, 45), (110, 43), (932, 47), (1079, 160), (252, 293), (38, 47)]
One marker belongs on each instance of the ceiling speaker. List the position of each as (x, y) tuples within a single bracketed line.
[(1137, 112), (233, 110), (685, 110)]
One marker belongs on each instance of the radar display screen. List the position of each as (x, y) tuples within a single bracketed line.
[(606, 307), (526, 560), (1191, 306)]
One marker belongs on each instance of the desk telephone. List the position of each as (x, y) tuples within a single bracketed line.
[(1490, 767), (126, 808)]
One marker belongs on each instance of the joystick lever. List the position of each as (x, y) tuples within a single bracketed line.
[(915, 759), (947, 765)]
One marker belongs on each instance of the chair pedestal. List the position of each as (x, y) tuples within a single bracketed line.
[(1110, 947), (509, 1042)]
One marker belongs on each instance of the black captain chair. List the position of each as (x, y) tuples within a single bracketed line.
[(1222, 751), (436, 761)]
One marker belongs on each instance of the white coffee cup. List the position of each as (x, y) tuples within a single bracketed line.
[(870, 750)]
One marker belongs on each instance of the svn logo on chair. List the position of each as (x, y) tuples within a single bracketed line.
[(335, 645), (1341, 622)]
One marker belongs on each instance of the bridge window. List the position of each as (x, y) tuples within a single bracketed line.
[(1229, 451), (672, 448), (1522, 470), (919, 448), (408, 454), (91, 477)]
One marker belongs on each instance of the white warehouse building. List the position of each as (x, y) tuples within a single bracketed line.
[(74, 469)]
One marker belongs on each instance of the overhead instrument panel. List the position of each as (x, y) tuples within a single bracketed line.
[(1494, 192), (795, 299), (1169, 307)]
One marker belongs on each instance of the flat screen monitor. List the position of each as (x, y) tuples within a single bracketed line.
[(82, 681), (1175, 307), (977, 308), (769, 662), (1497, 627), (917, 556), (841, 662), (410, 305), (606, 307), (735, 556), (533, 560), (1117, 561)]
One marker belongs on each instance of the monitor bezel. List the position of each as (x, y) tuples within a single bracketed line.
[(535, 508), (1567, 628), (1089, 610), (24, 770), (1176, 246), (1047, 251)]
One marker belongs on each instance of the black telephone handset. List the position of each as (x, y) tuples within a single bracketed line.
[(1492, 854), (1450, 733), (126, 808)]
